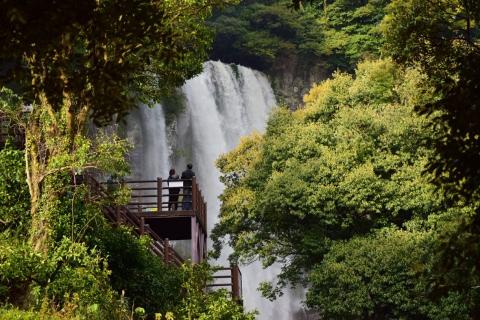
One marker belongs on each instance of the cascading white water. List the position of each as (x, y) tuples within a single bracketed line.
[(223, 103), (146, 130)]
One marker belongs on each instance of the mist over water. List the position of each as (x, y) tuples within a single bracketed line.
[(221, 104)]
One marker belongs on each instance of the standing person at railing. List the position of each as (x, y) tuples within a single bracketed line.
[(187, 175), (172, 191)]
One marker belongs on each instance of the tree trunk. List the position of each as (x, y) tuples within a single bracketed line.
[(49, 134), (35, 167)]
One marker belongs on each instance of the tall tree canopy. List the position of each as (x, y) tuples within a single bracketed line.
[(106, 54), (76, 60), (351, 161), (334, 33), (442, 37)]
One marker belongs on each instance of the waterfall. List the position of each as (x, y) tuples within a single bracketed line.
[(146, 131), (222, 104)]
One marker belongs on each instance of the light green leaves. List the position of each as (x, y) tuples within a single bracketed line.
[(349, 162)]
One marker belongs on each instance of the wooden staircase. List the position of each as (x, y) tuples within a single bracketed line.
[(122, 215), (149, 213)]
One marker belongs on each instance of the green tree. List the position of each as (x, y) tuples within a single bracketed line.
[(350, 162), (442, 37), (350, 31), (259, 33), (335, 34), (143, 277), (384, 276), (72, 61)]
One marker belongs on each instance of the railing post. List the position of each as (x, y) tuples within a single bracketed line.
[(166, 251), (235, 283), (159, 195), (194, 193), (205, 225)]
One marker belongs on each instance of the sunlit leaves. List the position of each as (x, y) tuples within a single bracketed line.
[(14, 197), (349, 162)]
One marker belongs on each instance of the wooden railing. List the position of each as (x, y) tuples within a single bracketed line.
[(229, 278), (122, 215), (155, 197)]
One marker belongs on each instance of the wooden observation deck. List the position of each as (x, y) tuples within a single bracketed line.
[(175, 210), (163, 210)]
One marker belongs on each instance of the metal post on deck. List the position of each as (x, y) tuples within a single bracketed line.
[(159, 194)]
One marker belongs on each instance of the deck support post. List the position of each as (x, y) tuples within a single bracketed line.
[(166, 251), (194, 193), (194, 241), (159, 194), (236, 295)]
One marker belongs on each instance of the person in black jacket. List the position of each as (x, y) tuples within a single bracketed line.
[(187, 175), (173, 192)]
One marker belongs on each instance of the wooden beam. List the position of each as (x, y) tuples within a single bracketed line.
[(166, 251), (194, 239), (159, 194), (236, 294)]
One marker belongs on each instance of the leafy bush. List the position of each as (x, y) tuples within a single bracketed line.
[(143, 277), (15, 314), (201, 305), (382, 275), (14, 196)]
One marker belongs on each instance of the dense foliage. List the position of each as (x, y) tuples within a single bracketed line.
[(350, 161), (337, 191), (442, 37), (14, 197), (335, 34), (64, 65), (257, 33), (102, 55), (94, 270)]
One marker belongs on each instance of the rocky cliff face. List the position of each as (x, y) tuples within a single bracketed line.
[(292, 78)]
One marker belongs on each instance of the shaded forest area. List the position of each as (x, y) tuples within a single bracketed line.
[(297, 48), (259, 33)]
